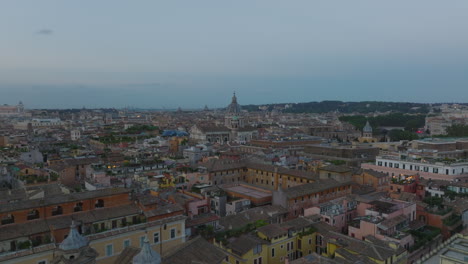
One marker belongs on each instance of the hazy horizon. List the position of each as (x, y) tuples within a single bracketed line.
[(148, 54)]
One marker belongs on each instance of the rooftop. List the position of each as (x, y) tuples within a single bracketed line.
[(60, 198), (315, 187)]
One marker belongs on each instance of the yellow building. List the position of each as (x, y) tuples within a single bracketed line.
[(164, 235), (370, 249), (272, 243)]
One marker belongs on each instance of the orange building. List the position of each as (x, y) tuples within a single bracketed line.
[(377, 180)]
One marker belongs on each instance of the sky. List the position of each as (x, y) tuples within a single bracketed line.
[(169, 54)]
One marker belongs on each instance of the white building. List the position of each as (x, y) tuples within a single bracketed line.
[(422, 165), (196, 153), (75, 134), (46, 122)]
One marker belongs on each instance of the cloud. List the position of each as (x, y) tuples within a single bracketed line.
[(45, 31)]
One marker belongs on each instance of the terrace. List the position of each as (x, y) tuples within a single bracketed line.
[(423, 236)]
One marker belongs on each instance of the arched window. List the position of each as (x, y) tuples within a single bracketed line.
[(78, 207), (33, 214), (99, 203), (57, 210), (8, 219)]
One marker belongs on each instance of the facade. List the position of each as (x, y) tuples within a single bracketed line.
[(337, 213), (11, 110), (426, 168), (196, 153), (297, 199), (438, 125), (237, 206), (75, 134), (367, 136), (272, 244), (46, 122), (378, 180), (210, 134)]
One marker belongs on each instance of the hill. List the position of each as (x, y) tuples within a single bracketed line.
[(345, 107)]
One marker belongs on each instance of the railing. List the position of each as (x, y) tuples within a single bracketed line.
[(25, 252)]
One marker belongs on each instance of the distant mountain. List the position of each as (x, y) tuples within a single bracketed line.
[(343, 107)]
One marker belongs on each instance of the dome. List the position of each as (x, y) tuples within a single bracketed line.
[(74, 239), (234, 107), (147, 255), (367, 128)]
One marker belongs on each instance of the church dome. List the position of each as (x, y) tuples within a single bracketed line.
[(74, 239), (233, 107), (147, 255), (367, 128)]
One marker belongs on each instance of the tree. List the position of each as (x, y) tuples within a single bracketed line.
[(397, 135), (457, 131)]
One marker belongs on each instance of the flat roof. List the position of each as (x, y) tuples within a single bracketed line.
[(249, 191)]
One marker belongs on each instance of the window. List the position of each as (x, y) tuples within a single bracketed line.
[(257, 249), (173, 233), (99, 203), (78, 207), (8, 219), (57, 210), (142, 240), (33, 214), (126, 243), (273, 252), (109, 250), (156, 238)]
